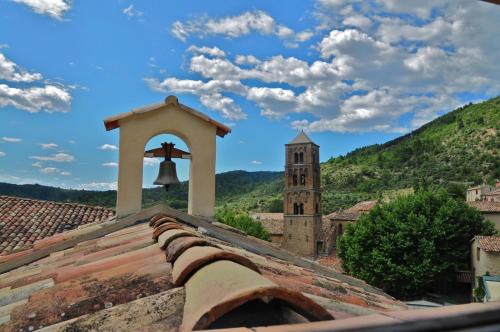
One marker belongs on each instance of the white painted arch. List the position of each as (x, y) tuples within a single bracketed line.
[(197, 130)]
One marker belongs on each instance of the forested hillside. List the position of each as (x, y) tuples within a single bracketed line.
[(457, 149)]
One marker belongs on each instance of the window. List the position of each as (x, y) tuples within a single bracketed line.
[(478, 254), (340, 230), (302, 179), (301, 209), (317, 208), (296, 158), (295, 208), (295, 182), (301, 157)]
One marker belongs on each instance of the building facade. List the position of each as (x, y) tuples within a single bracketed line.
[(302, 197)]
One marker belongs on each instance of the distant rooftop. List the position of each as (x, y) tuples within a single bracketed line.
[(24, 221), (353, 213), (489, 243), (484, 206)]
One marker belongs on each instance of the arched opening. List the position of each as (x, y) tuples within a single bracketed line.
[(177, 194), (301, 209), (295, 182), (296, 158), (301, 157), (340, 231)]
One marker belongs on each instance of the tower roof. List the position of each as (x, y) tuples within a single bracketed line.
[(301, 138)]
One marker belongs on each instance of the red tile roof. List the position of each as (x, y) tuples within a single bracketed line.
[(353, 213), (489, 243), (123, 281), (24, 221), (272, 222), (484, 206)]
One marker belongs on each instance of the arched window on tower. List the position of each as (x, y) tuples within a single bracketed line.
[(301, 157), (295, 182), (301, 209), (295, 208), (302, 179), (296, 158)]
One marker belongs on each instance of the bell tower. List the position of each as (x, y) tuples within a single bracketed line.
[(302, 197)]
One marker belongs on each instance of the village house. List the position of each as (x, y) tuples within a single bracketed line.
[(272, 223), (340, 219), (485, 260), (481, 192), (489, 210)]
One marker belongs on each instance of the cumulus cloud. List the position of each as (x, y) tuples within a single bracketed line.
[(37, 164), (47, 146), (57, 157), (375, 62), (108, 147), (213, 51), (49, 170), (10, 71), (52, 8), (11, 139), (236, 26)]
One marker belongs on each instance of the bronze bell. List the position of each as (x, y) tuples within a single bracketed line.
[(167, 174)]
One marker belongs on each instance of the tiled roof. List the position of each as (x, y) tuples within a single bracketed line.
[(24, 221), (301, 138), (495, 192), (272, 222), (187, 278), (353, 213), (489, 243), (485, 206)]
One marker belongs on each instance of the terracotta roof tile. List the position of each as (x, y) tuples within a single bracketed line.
[(123, 281), (24, 221), (272, 222), (353, 213), (484, 206), (489, 243)]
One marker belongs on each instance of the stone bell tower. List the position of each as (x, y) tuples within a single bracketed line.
[(302, 198)]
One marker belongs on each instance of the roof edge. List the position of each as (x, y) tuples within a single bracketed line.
[(113, 122)]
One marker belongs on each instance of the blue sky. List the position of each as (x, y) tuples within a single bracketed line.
[(350, 73)]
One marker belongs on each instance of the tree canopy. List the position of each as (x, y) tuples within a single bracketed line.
[(412, 244)]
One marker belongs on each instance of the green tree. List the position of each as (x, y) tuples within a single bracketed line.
[(242, 221), (412, 244)]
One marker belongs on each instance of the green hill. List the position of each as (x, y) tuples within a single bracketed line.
[(457, 149)]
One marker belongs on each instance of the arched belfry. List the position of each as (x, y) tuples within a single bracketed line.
[(196, 129), (302, 197)]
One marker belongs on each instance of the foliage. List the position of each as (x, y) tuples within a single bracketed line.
[(412, 244), (242, 221)]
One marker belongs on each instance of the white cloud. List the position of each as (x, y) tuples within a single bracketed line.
[(213, 51), (65, 173), (110, 164), (37, 164), (151, 161), (53, 8), (256, 162), (100, 186), (46, 146), (57, 157), (10, 71), (49, 170), (376, 62), (130, 11), (244, 24), (108, 147), (49, 98), (2, 154), (11, 139), (72, 141)]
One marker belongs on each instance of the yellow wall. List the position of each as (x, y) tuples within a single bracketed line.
[(199, 135)]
